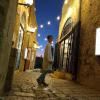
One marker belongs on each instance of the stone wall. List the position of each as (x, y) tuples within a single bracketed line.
[(29, 37), (3, 12), (89, 64), (16, 31), (7, 20), (71, 9)]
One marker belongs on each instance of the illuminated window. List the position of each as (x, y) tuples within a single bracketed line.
[(97, 48)]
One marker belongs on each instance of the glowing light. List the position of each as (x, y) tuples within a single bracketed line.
[(35, 28), (49, 23), (70, 11), (66, 1), (41, 26), (35, 46), (97, 48), (58, 18), (39, 35), (31, 29), (30, 2), (45, 39)]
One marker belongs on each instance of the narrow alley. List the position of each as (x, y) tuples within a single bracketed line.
[(49, 49), (25, 88)]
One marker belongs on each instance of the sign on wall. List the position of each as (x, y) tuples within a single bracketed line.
[(97, 47)]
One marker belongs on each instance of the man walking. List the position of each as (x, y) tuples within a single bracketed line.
[(47, 61)]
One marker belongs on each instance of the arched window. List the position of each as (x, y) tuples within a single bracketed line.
[(67, 27)]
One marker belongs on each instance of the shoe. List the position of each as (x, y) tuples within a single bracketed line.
[(45, 84)]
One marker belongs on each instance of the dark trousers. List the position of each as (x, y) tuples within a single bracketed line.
[(43, 75)]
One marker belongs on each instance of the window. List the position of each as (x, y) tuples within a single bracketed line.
[(97, 47)]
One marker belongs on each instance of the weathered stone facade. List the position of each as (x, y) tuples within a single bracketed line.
[(22, 38), (71, 9), (13, 16), (89, 64), (7, 22), (88, 72), (29, 38)]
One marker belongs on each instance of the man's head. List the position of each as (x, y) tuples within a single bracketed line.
[(50, 38)]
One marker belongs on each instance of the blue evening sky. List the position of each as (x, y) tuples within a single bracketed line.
[(47, 10)]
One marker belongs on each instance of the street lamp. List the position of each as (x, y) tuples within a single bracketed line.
[(41, 26), (49, 23), (27, 3), (58, 18), (45, 39), (39, 35)]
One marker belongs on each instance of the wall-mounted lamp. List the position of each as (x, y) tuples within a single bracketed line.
[(70, 11), (66, 2), (31, 29), (36, 46), (27, 3)]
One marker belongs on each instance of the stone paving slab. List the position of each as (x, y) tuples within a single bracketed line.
[(25, 88), (24, 94), (19, 98)]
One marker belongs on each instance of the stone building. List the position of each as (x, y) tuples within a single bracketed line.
[(89, 63), (18, 31), (28, 30), (77, 39), (68, 36), (7, 22)]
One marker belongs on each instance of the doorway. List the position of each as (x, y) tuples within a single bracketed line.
[(69, 48)]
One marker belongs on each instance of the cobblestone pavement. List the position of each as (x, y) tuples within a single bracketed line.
[(25, 88)]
